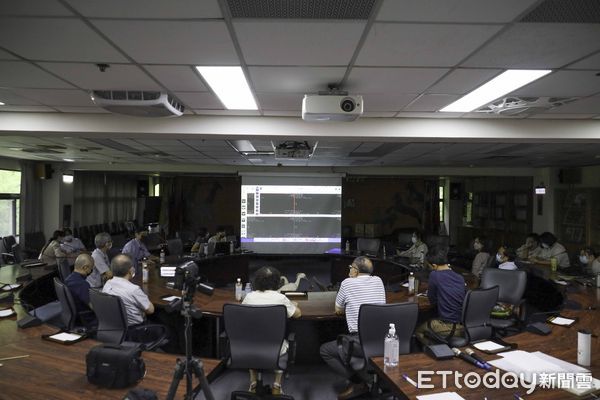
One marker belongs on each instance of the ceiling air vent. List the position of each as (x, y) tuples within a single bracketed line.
[(301, 9), (138, 103), (530, 105), (565, 11)]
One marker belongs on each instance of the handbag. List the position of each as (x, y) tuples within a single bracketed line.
[(115, 365)]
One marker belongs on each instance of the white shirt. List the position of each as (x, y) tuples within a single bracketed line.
[(509, 265), (354, 292), (271, 297), (418, 250), (101, 265), (558, 251), (75, 245), (135, 300)]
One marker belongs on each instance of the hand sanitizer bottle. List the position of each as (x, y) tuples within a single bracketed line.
[(411, 283), (391, 348), (238, 289)]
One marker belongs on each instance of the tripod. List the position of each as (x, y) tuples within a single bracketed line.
[(190, 365)]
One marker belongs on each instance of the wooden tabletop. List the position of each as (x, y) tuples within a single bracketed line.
[(561, 343)]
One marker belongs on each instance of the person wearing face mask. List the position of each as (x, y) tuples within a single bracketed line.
[(80, 289), (590, 260), (481, 258), (551, 248), (70, 245), (136, 302), (52, 250), (101, 271), (506, 258), (136, 248), (418, 251), (531, 248)]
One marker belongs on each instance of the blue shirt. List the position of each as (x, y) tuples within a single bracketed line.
[(136, 250), (447, 291), (80, 289)]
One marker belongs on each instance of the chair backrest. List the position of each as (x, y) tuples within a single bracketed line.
[(68, 313), (374, 323), (175, 247), (512, 284), (368, 245), (112, 317), (64, 268), (17, 252), (477, 307), (9, 241), (258, 347)]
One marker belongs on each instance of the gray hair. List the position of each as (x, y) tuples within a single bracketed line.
[(102, 239), (363, 264), (120, 265)]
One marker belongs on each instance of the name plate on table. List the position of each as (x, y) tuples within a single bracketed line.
[(167, 271)]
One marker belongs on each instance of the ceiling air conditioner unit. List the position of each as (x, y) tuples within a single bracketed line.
[(513, 105), (331, 107), (138, 103), (292, 150)]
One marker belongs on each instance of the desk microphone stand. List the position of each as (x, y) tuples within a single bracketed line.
[(190, 365)]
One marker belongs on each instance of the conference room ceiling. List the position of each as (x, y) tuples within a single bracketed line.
[(408, 59)]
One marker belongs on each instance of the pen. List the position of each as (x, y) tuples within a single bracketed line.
[(407, 379), (13, 358)]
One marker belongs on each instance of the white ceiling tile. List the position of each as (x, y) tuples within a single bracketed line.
[(63, 39), (33, 8), (26, 108), (270, 113), (392, 80), (172, 42), (382, 103), (294, 79), (177, 78), (117, 77), (591, 62), (82, 110), (589, 105), (148, 8), (538, 45), (298, 42), (248, 113), (57, 97), (440, 45), (452, 10), (280, 101), (431, 102), (10, 98), (14, 74), (462, 81), (564, 84)]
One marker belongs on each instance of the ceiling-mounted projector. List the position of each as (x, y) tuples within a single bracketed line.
[(331, 107), (138, 103)]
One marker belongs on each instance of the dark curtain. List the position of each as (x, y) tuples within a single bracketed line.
[(31, 213)]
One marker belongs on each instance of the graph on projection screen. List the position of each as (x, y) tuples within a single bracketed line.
[(297, 215)]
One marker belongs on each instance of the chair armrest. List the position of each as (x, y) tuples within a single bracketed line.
[(345, 348), (150, 336)]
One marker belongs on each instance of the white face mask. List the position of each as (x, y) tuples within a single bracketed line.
[(583, 259), (545, 246), (414, 239), (69, 238), (498, 257), (477, 246), (132, 272)]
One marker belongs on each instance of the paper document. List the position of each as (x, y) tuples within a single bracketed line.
[(6, 312), (405, 284), (65, 337), (441, 396), (10, 287), (488, 346), (171, 298), (561, 321)]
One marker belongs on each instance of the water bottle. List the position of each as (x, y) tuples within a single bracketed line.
[(347, 246), (231, 248), (553, 264), (411, 283), (598, 280), (384, 252), (238, 289), (391, 348), (145, 272), (247, 290), (162, 255)]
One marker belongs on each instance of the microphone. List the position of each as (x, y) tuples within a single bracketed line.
[(471, 353), (467, 358)]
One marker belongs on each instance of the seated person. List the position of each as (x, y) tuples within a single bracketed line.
[(52, 251), (70, 245), (265, 285), (418, 251), (217, 237), (80, 289), (506, 258), (552, 249), (136, 302), (446, 293), (590, 260), (101, 272), (481, 258), (361, 287), (201, 239), (136, 248), (531, 248)]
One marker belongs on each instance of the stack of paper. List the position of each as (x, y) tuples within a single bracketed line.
[(9, 287), (6, 312)]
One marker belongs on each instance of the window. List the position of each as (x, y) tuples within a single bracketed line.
[(441, 200), (10, 194), (157, 189)]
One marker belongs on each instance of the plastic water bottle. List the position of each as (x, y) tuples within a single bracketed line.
[(347, 246), (391, 348), (248, 289), (145, 271), (231, 248), (162, 255), (411, 283), (238, 289), (384, 252)]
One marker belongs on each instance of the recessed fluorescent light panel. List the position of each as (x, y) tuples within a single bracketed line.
[(504, 83), (230, 85), (1, 103), (67, 178)]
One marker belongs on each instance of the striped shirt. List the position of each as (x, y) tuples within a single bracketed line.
[(354, 292)]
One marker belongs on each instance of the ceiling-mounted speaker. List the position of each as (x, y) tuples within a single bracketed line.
[(43, 171)]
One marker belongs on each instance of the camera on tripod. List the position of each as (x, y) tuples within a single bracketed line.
[(187, 278)]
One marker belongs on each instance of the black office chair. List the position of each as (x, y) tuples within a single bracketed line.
[(175, 247), (64, 268), (373, 324), (112, 323), (368, 246), (476, 310), (68, 314), (511, 286), (255, 334)]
